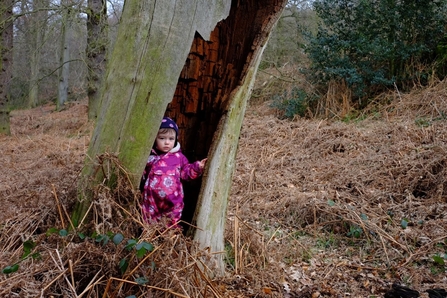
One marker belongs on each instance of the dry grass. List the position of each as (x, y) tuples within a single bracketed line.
[(317, 208)]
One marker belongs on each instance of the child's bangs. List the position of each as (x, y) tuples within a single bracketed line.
[(168, 131)]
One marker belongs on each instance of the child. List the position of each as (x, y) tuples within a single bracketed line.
[(161, 184)]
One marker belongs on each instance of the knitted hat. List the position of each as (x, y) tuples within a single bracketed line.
[(169, 123)]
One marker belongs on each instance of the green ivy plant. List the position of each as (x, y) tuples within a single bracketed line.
[(140, 248), (28, 248)]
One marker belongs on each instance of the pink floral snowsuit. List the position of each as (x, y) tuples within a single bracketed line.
[(163, 189)]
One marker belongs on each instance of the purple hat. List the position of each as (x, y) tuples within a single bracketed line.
[(169, 123)]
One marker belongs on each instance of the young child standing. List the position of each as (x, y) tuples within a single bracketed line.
[(166, 168)]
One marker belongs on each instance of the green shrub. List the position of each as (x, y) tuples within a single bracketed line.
[(375, 45), (291, 103)]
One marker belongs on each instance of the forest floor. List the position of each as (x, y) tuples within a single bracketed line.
[(318, 208)]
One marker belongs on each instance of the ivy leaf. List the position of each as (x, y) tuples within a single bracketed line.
[(10, 269), (51, 231), (130, 244), (105, 240), (28, 246), (404, 223), (141, 252), (123, 265), (142, 248), (118, 238), (141, 280), (147, 246), (439, 260), (139, 246), (102, 238)]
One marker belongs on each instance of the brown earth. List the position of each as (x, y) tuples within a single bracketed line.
[(318, 208)]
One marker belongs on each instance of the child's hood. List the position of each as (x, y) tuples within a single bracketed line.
[(176, 148)]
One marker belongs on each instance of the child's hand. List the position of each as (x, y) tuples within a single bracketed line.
[(202, 163)]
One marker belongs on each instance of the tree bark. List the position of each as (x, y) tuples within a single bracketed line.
[(64, 70), (36, 33), (96, 52), (6, 54), (152, 45), (148, 78)]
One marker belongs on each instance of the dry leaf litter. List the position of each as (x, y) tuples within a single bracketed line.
[(318, 208)]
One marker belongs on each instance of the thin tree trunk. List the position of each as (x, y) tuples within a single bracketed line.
[(6, 54), (97, 41), (64, 70), (37, 32)]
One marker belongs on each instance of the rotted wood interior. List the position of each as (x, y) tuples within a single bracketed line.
[(213, 70)]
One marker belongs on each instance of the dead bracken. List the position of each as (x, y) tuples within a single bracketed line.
[(318, 208)]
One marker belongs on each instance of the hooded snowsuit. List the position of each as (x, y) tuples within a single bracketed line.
[(161, 184)]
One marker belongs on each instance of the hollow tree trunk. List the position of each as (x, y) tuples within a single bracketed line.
[(152, 45), (209, 105), (221, 42)]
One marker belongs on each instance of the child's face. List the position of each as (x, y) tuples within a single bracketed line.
[(165, 140)]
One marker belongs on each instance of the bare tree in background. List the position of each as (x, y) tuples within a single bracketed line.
[(64, 71), (97, 41), (287, 42), (36, 34), (6, 46)]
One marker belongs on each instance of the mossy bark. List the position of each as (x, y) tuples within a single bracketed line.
[(211, 209), (151, 48)]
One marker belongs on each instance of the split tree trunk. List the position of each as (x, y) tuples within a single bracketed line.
[(147, 78), (209, 106), (152, 45)]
